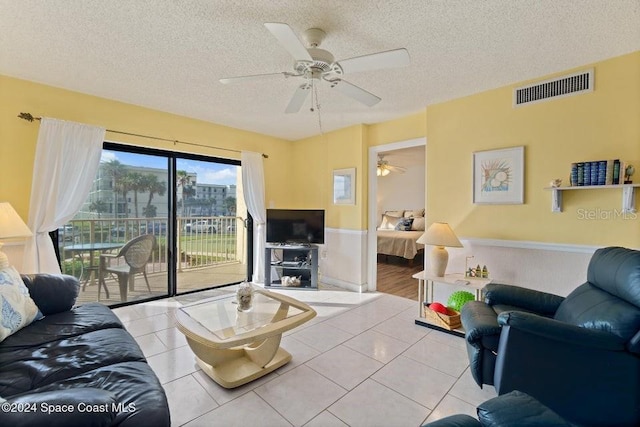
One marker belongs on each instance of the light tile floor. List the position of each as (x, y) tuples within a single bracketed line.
[(361, 362)]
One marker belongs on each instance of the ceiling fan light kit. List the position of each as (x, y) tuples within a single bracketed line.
[(315, 65), (384, 168)]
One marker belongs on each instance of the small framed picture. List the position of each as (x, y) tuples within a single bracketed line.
[(344, 186), (498, 176)]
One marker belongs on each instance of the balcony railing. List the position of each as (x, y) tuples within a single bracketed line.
[(202, 241)]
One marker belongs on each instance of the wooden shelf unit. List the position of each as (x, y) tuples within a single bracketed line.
[(628, 195)]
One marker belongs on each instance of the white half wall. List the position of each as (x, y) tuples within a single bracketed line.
[(553, 268), (343, 259)]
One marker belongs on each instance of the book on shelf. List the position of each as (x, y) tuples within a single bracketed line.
[(599, 172), (609, 173), (580, 168), (602, 172), (573, 178), (616, 171), (586, 179)]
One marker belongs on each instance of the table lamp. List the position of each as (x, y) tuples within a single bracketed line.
[(439, 235), (11, 228)]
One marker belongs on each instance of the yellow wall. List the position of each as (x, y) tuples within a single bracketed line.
[(313, 162), (18, 137), (600, 125), (402, 129)]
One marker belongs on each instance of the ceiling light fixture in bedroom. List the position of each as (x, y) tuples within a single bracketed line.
[(384, 168), (382, 171)]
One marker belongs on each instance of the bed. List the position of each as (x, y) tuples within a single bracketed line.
[(399, 231)]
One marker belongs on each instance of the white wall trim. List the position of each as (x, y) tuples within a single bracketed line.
[(345, 231), (354, 287), (523, 244)]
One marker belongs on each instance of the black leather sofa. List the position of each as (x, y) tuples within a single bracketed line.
[(578, 355), (77, 366), (514, 409)]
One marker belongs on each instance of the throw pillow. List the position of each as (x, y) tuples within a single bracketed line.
[(404, 224), (17, 309), (418, 224), (389, 222)]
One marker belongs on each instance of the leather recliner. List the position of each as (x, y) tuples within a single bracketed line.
[(578, 355), (514, 409)]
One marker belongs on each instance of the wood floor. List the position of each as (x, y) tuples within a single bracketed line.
[(394, 277)]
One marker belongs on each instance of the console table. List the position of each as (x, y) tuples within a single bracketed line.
[(426, 282)]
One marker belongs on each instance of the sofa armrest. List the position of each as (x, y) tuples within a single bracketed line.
[(52, 293), (559, 331), (81, 406), (529, 299), (479, 320), (517, 409)]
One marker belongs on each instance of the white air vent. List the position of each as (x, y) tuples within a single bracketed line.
[(572, 84)]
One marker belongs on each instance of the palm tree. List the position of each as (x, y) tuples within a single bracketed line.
[(183, 182), (153, 186), (99, 206), (116, 170), (136, 184), (123, 185), (230, 204)]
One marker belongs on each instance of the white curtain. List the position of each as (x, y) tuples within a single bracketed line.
[(66, 163), (253, 187)]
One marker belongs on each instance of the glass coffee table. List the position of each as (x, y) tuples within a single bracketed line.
[(235, 347)]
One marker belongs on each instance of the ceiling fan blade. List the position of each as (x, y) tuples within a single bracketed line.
[(289, 40), (298, 98), (398, 169), (390, 59), (355, 92), (251, 77)]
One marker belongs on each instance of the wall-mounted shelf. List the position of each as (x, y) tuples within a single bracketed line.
[(628, 195)]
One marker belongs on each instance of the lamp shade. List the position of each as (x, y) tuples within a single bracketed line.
[(440, 234), (11, 225)]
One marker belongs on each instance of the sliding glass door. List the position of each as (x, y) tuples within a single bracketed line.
[(156, 224), (210, 227)]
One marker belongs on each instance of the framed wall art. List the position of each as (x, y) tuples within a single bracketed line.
[(498, 176), (344, 186)]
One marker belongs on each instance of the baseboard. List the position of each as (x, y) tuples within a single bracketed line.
[(343, 284)]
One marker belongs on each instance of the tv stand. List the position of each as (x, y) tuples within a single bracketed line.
[(296, 260)]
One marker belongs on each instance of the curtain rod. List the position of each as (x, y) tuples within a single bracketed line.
[(29, 117)]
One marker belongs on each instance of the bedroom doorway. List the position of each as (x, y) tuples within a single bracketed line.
[(396, 216)]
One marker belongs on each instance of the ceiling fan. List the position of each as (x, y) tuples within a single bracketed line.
[(314, 65), (384, 168)]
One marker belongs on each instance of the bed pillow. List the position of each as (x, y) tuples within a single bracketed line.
[(398, 214), (414, 213), (17, 309), (418, 224), (389, 222), (404, 224)]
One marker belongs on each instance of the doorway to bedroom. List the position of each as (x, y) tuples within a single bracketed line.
[(397, 216)]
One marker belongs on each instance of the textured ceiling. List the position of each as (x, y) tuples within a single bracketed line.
[(169, 55)]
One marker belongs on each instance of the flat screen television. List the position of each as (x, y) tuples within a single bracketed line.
[(295, 226)]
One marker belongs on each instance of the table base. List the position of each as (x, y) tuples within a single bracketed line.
[(236, 372), (239, 365)]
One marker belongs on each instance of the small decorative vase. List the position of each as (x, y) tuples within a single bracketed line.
[(244, 296)]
